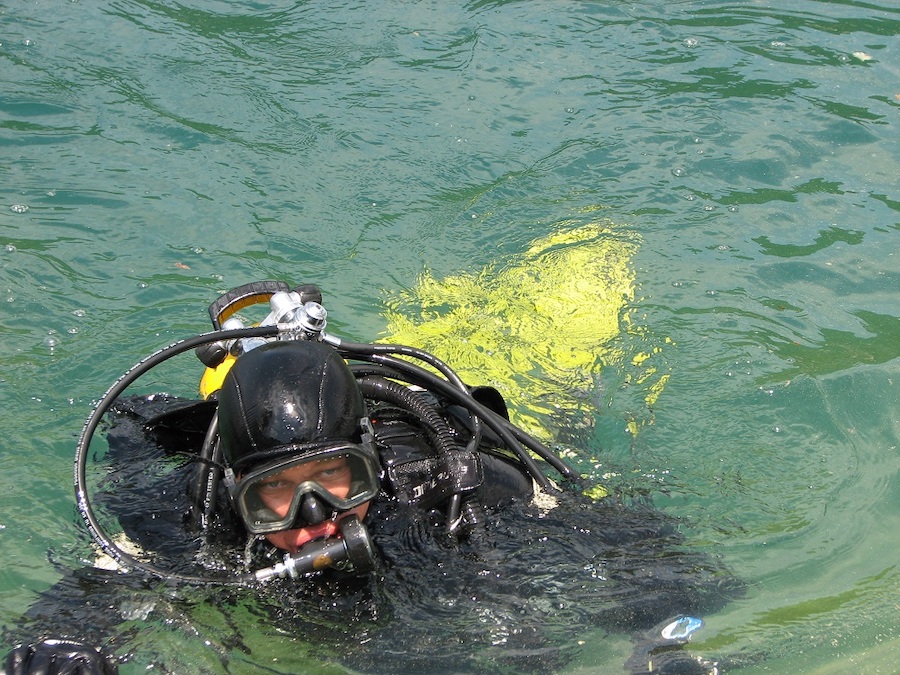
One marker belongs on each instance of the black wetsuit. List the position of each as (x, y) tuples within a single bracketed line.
[(519, 592)]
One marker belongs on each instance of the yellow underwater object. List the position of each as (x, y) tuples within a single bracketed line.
[(538, 327)]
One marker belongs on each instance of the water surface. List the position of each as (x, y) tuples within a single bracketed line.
[(157, 153)]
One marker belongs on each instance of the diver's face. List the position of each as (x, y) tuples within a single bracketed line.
[(333, 474)]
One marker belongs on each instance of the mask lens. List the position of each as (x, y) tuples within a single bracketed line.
[(340, 477)]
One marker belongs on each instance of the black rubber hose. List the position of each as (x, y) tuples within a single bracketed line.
[(353, 349), (363, 369), (420, 354), (426, 379), (499, 425), (384, 390), (90, 426), (207, 479), (379, 388)]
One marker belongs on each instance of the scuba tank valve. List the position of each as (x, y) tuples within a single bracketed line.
[(298, 315)]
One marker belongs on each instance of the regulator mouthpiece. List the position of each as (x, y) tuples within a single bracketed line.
[(352, 551)]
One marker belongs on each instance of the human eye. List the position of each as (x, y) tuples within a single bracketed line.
[(334, 470), (272, 485)]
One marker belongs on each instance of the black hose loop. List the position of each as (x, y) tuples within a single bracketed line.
[(437, 428), (514, 438), (368, 350), (82, 498)]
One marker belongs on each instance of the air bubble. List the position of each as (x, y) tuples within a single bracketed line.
[(79, 312), (10, 248), (18, 208), (691, 42), (678, 171)]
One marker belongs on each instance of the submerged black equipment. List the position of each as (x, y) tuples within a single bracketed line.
[(298, 315)]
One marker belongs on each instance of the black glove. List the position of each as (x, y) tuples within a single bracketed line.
[(58, 657)]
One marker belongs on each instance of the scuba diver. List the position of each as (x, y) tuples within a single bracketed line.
[(304, 455), (365, 481)]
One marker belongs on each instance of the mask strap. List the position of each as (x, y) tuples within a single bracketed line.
[(367, 439), (230, 481)]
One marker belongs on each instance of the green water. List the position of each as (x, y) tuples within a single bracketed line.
[(157, 153)]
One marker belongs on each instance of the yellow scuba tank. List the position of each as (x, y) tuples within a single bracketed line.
[(212, 378)]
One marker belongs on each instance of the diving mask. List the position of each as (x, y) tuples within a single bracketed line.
[(293, 491)]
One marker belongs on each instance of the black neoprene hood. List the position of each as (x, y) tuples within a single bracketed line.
[(284, 395)]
